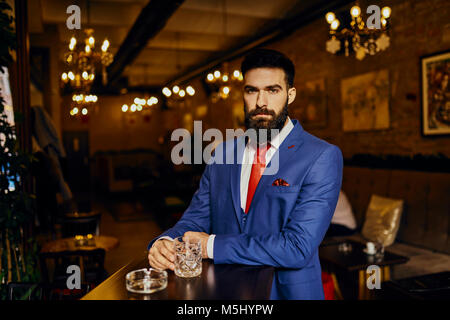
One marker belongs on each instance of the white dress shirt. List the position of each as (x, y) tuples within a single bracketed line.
[(246, 169)]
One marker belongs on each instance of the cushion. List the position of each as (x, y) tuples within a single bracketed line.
[(382, 219)]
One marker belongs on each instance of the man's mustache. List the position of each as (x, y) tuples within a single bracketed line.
[(263, 111)]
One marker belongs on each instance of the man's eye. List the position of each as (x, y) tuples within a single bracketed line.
[(251, 90), (273, 90)]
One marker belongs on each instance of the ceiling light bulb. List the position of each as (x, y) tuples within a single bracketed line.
[(73, 42), (330, 17), (355, 11), (139, 107), (236, 73), (87, 48), (71, 75), (335, 24), (176, 89), (64, 76), (133, 107), (136, 100), (386, 12), (91, 77), (226, 90), (166, 91), (182, 93), (91, 41), (105, 45), (124, 108), (210, 77), (152, 101), (217, 74), (225, 78), (84, 111), (85, 75), (190, 90), (383, 22)]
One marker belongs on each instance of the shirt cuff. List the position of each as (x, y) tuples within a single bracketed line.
[(210, 246)]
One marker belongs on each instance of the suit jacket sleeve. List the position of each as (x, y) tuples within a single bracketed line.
[(307, 224), (197, 215)]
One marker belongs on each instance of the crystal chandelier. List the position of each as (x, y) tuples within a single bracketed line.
[(82, 59), (82, 103), (140, 104), (359, 38), (221, 82), (178, 92)]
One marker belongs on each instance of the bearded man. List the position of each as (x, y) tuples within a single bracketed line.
[(245, 213)]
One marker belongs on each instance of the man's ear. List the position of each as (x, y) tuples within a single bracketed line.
[(291, 95)]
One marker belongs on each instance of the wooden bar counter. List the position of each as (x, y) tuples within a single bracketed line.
[(217, 282)]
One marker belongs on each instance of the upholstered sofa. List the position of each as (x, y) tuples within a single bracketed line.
[(424, 232)]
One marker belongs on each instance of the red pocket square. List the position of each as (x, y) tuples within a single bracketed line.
[(280, 182)]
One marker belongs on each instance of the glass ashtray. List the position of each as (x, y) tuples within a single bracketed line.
[(146, 280)]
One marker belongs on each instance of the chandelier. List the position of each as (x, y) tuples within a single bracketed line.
[(178, 92), (359, 38), (140, 104), (221, 82), (82, 103), (83, 59)]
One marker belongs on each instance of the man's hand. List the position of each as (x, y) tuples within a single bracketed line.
[(162, 255), (198, 236)]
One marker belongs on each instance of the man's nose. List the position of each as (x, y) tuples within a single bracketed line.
[(261, 100)]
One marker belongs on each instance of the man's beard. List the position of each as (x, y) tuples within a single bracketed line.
[(277, 121)]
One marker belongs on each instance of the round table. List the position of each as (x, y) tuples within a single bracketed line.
[(68, 244)]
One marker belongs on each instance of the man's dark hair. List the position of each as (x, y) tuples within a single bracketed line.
[(267, 58)]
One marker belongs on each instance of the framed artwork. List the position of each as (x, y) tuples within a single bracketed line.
[(311, 108), (365, 101), (435, 71)]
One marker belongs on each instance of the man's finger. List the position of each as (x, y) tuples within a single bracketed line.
[(158, 263), (162, 260), (155, 264), (167, 254), (169, 245)]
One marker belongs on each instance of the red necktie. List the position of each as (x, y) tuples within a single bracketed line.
[(259, 164)]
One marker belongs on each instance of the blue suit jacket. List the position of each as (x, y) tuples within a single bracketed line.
[(284, 225)]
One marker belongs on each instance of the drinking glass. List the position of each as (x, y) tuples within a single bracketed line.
[(188, 257)]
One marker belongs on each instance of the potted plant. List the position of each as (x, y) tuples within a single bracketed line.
[(17, 251)]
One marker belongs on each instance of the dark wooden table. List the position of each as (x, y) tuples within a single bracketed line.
[(358, 260), (217, 282), (68, 244)]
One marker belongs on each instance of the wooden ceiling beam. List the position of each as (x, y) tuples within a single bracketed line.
[(150, 21)]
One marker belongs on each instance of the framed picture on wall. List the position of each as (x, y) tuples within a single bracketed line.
[(435, 71), (311, 104), (365, 101)]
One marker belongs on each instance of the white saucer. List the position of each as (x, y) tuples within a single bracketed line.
[(371, 254)]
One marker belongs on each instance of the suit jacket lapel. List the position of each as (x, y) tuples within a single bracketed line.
[(235, 178)]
